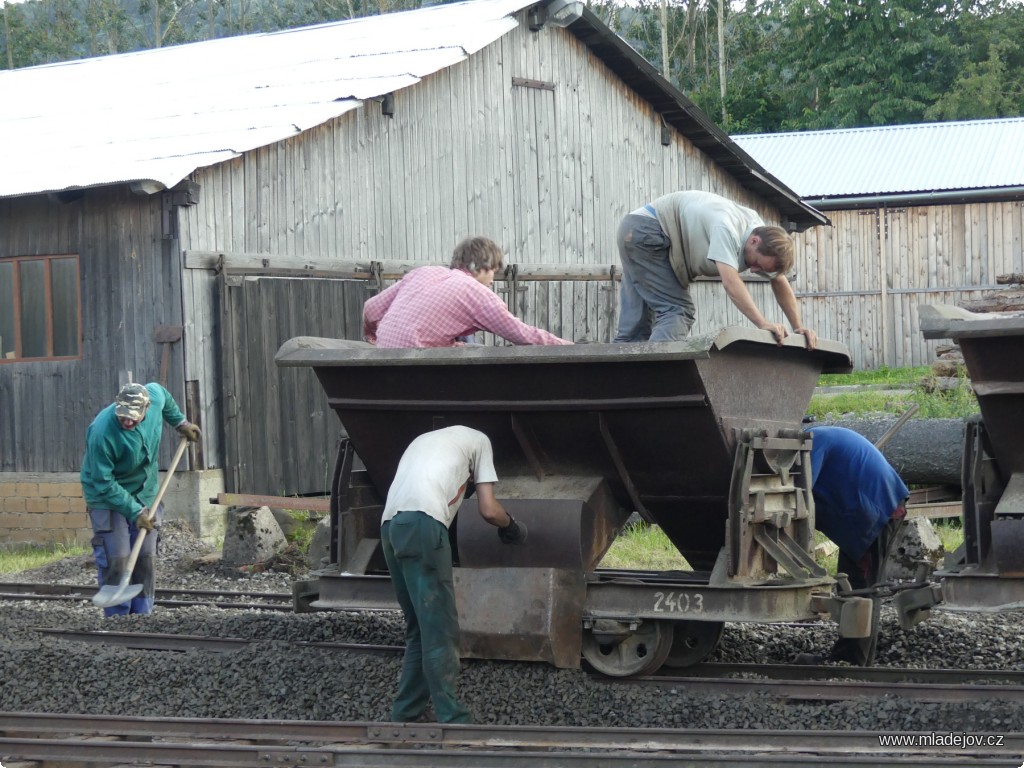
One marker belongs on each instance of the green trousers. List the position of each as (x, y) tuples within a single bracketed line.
[(419, 558)]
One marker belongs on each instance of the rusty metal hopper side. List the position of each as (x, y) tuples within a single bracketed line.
[(752, 385), (655, 420), (993, 350)]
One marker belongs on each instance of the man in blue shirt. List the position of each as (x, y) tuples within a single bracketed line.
[(120, 481), (860, 504)]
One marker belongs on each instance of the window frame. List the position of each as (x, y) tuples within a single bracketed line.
[(47, 260)]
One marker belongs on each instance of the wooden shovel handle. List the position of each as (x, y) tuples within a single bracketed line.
[(134, 556)]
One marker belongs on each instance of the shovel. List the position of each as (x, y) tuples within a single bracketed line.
[(110, 595)]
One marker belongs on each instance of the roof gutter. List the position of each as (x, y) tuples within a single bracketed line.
[(948, 197)]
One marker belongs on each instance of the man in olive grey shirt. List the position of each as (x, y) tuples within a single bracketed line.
[(666, 244)]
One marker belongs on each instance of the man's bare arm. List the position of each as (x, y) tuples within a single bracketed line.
[(490, 508), (791, 309), (740, 296)]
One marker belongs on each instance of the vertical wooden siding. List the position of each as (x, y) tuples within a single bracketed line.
[(129, 284), (862, 280)]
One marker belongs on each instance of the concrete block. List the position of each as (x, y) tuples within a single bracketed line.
[(188, 499), (916, 541), (319, 554), (252, 536)]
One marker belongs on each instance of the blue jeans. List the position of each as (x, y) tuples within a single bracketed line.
[(653, 304), (112, 542), (419, 557)]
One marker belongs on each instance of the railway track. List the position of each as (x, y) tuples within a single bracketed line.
[(793, 683), (167, 598), (77, 740)]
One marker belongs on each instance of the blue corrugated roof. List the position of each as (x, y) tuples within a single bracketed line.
[(895, 159)]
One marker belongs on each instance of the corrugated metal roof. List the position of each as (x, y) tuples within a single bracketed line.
[(160, 114), (897, 159)]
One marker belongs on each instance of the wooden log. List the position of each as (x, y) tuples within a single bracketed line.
[(1009, 300), (923, 451), (1014, 278)]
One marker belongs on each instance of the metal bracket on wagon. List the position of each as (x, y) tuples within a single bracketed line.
[(771, 521)]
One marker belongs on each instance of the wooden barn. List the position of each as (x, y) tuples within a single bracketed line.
[(921, 214), (176, 214)]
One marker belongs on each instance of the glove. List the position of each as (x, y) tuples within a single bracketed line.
[(513, 533), (189, 431), (144, 520)]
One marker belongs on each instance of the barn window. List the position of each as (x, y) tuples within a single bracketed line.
[(40, 308)]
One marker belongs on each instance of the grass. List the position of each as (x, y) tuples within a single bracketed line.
[(647, 548), (918, 383), (894, 377), (304, 529), (24, 558), (643, 547)]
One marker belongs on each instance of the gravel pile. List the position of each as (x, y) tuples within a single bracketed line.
[(273, 679)]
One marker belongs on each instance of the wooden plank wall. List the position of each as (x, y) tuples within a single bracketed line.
[(129, 285), (862, 280), (281, 434)]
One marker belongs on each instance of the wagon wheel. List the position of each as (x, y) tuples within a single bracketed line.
[(693, 641), (640, 653)]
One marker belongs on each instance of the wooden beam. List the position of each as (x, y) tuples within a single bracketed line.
[(938, 510), (310, 503)]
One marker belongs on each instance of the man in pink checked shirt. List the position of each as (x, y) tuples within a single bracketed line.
[(435, 306)]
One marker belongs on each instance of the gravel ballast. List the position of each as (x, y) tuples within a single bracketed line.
[(274, 679)]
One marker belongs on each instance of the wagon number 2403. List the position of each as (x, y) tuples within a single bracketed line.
[(683, 602)]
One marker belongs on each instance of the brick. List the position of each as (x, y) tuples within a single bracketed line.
[(26, 489), (53, 520), (26, 535), (58, 504), (71, 490), (79, 520), (8, 520), (77, 505), (35, 504), (7, 489), (13, 504), (46, 490)]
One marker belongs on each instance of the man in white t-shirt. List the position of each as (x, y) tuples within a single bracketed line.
[(422, 503)]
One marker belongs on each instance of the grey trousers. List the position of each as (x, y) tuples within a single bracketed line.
[(653, 304)]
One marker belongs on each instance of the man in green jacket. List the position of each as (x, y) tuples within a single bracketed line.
[(120, 481)]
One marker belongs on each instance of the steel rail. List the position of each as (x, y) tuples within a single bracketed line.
[(836, 690), (99, 740), (157, 641), (168, 598), (859, 674)]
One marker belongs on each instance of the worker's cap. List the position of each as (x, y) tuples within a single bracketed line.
[(131, 402)]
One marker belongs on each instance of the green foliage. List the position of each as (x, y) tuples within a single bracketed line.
[(302, 534), (23, 558), (984, 89)]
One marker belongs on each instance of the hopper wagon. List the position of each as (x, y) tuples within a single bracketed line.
[(702, 437)]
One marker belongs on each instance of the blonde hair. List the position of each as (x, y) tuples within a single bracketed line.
[(776, 242), (476, 254)]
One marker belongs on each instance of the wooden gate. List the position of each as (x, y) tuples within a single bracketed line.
[(280, 435)]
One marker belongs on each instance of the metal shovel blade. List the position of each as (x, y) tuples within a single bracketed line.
[(110, 595)]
